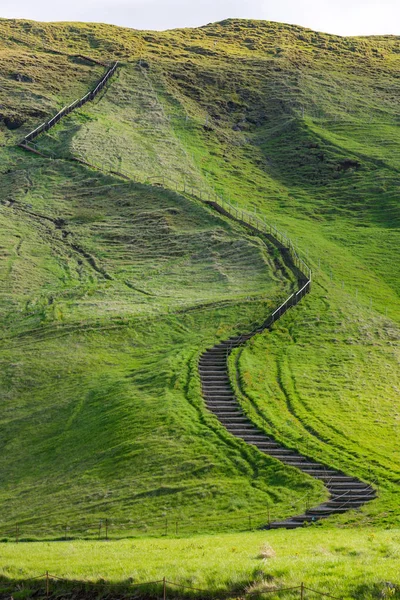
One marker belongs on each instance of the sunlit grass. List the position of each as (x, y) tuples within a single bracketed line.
[(347, 564)]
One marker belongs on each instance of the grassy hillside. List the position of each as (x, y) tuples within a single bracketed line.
[(101, 277), (109, 292)]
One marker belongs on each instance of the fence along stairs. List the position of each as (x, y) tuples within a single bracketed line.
[(73, 106), (346, 492)]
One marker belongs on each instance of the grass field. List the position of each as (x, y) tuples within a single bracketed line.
[(344, 563)]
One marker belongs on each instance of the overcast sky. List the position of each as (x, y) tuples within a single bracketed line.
[(343, 17)]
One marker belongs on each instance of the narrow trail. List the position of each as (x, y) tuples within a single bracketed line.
[(345, 492)]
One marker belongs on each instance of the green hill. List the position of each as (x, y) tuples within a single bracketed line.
[(111, 289)]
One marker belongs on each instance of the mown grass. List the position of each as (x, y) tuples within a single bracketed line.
[(360, 564)]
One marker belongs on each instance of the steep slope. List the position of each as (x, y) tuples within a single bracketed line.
[(345, 492), (102, 282), (307, 136), (291, 123)]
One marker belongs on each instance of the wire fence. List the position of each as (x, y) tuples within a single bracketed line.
[(248, 218), (169, 525), (50, 585), (68, 109)]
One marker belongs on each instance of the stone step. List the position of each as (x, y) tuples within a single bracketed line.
[(213, 403), (299, 460), (352, 492), (278, 450), (220, 406), (227, 412), (326, 510), (266, 447), (321, 473), (351, 482), (302, 464), (334, 477), (284, 525), (211, 371), (212, 360), (238, 421), (221, 347), (346, 502), (257, 437), (302, 518), (240, 433), (211, 397), (241, 429), (267, 441), (234, 418), (217, 390), (208, 374)]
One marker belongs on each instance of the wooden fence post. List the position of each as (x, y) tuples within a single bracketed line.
[(302, 591), (47, 584), (164, 589)]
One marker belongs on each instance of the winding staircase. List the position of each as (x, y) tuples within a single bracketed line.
[(346, 492)]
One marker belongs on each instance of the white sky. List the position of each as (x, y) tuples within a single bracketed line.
[(343, 17)]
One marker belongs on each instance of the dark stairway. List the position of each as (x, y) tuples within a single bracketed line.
[(345, 492)]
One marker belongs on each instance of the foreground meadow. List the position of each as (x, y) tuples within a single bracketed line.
[(345, 563)]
